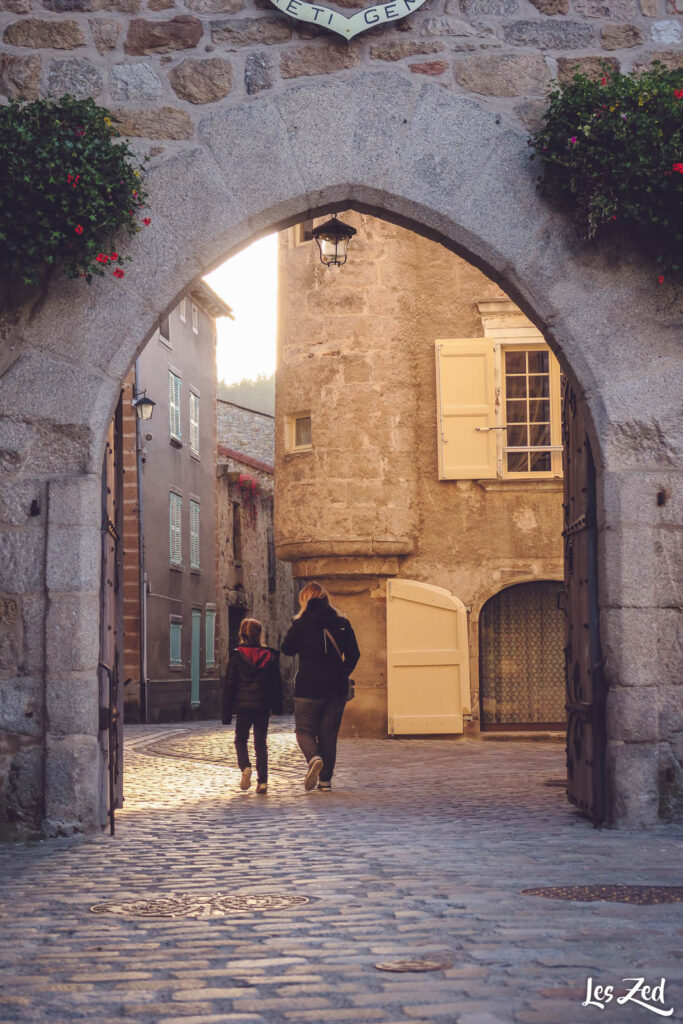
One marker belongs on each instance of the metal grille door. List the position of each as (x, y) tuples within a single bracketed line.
[(521, 661)]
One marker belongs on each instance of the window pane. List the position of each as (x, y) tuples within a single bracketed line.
[(516, 412), (539, 412), (539, 434), (539, 387), (517, 437), (518, 462), (302, 431), (538, 362), (175, 636), (540, 462), (515, 387), (515, 362)]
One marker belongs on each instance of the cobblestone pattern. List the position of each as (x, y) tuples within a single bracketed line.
[(420, 851)]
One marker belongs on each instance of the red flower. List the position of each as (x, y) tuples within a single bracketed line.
[(678, 93), (603, 81), (660, 279), (678, 168), (79, 229), (114, 256), (118, 272), (147, 221), (102, 257)]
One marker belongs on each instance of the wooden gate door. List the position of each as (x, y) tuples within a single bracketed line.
[(111, 616), (586, 687), (428, 680)]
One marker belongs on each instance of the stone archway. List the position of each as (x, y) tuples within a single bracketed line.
[(432, 161)]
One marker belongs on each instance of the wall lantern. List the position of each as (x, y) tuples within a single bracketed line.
[(333, 237), (144, 406)]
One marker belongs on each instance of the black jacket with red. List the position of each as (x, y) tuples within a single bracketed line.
[(252, 682), (321, 671)]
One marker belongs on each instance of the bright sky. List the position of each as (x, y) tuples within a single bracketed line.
[(248, 283)]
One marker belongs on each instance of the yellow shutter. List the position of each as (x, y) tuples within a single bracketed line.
[(428, 679), (466, 409)]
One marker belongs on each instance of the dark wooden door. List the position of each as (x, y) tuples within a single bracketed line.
[(585, 680), (111, 615)]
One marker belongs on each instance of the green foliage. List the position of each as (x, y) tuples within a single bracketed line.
[(67, 188), (611, 153)]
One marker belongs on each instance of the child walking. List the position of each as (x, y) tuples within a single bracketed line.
[(251, 690)]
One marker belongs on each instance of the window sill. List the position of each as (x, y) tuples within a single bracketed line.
[(176, 442), (522, 484), (195, 571), (165, 342), (195, 455), (300, 451), (174, 567), (176, 668)]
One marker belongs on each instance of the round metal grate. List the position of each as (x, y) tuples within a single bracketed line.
[(640, 894), (192, 905), (400, 966)]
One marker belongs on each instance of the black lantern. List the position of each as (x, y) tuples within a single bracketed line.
[(144, 406), (333, 237)]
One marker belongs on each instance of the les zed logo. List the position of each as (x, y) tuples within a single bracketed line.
[(641, 994)]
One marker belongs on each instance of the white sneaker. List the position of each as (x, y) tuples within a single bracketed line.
[(245, 781), (315, 766)]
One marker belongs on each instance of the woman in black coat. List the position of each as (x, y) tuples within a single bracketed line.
[(252, 689), (328, 653)]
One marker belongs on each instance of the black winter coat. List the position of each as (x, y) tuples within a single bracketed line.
[(252, 682), (321, 671)]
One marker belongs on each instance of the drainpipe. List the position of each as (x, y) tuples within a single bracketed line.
[(141, 560)]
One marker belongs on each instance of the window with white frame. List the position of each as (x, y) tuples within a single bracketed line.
[(195, 319), (499, 410), (175, 641), (174, 382), (194, 534), (182, 311), (210, 627), (175, 528), (194, 423), (298, 435)]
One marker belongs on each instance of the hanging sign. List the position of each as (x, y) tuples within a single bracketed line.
[(361, 21)]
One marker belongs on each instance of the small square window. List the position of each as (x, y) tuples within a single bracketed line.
[(298, 434)]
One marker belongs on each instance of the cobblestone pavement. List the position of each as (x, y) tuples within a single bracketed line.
[(419, 852)]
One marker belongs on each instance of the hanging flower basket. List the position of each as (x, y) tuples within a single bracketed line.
[(68, 190), (611, 154)]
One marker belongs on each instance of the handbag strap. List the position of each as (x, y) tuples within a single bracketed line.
[(334, 644)]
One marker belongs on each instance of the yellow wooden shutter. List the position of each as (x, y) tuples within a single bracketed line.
[(428, 679), (466, 409)]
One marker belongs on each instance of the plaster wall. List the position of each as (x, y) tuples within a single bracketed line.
[(356, 349), (384, 140)]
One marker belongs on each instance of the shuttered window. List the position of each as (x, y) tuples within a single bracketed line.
[(194, 534), (175, 511), (210, 638), (194, 423), (466, 409), (174, 405), (175, 643)]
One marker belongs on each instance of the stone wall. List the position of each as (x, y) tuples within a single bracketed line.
[(246, 431), (156, 64)]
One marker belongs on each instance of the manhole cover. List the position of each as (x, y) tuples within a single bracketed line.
[(190, 905), (399, 966), (556, 782), (642, 894)]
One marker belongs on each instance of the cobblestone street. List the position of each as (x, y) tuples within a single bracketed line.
[(420, 852)]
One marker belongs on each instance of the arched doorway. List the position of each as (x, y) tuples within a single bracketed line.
[(430, 160), (521, 674)]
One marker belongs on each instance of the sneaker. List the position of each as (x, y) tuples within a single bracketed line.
[(245, 781), (315, 766), (325, 787), (262, 787)]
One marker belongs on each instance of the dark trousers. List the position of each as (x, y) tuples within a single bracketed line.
[(317, 725), (244, 720)]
